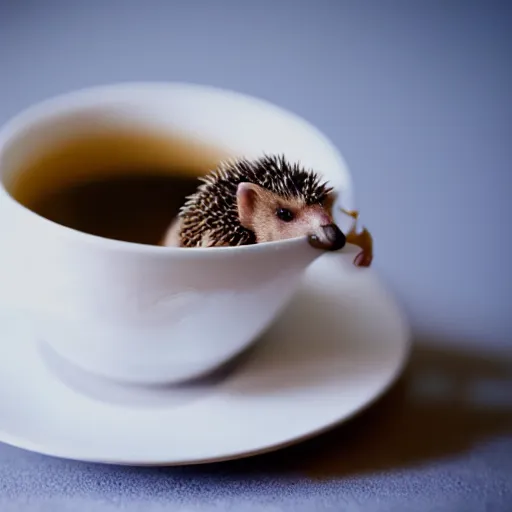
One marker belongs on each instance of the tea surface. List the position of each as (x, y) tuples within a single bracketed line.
[(124, 186)]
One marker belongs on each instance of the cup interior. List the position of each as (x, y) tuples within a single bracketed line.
[(174, 128)]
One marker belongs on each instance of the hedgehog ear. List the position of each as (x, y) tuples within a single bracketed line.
[(247, 196)]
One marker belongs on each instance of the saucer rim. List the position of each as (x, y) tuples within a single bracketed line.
[(378, 393)]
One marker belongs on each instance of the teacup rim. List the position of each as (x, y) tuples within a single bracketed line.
[(126, 247), (37, 110)]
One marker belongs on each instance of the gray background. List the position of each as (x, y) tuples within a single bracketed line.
[(416, 95)]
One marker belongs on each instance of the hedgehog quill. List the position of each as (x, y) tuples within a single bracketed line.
[(244, 202)]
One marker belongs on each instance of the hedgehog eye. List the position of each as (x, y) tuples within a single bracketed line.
[(284, 214)]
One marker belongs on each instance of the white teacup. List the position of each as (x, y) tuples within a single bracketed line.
[(147, 314)]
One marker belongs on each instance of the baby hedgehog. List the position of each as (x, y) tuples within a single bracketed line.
[(245, 202)]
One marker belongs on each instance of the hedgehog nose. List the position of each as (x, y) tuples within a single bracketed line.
[(332, 238), (335, 237)]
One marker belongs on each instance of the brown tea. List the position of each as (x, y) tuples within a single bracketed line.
[(125, 186)]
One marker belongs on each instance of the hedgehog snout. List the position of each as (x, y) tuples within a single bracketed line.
[(329, 237)]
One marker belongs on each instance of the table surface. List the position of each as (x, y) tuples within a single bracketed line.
[(417, 97)]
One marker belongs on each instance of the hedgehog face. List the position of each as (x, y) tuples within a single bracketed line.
[(272, 217), (243, 202)]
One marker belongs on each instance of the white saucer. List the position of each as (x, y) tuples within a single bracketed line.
[(330, 355)]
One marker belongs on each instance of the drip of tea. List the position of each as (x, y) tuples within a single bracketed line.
[(363, 239)]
